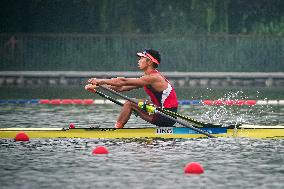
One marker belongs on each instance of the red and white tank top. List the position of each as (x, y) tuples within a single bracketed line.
[(164, 99)]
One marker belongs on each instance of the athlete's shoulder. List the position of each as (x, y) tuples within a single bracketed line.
[(147, 79)]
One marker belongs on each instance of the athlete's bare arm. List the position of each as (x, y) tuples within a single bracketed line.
[(126, 84), (122, 88), (119, 82)]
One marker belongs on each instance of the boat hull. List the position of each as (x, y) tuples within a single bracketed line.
[(159, 132)]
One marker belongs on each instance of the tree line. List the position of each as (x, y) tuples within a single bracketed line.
[(163, 17)]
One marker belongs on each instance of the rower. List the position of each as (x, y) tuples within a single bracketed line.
[(158, 88)]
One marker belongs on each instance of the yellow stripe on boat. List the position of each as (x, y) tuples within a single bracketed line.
[(248, 131), (258, 131)]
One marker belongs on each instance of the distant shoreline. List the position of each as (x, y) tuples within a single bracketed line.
[(180, 79)]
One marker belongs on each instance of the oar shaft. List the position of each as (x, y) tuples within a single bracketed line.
[(182, 117), (189, 119), (161, 113), (119, 94), (109, 98)]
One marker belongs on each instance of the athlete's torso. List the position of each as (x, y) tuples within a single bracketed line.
[(166, 98)]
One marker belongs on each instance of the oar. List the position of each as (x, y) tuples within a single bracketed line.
[(189, 119), (161, 113), (109, 98), (150, 108), (173, 114)]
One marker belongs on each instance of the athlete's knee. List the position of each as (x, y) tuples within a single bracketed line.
[(129, 104)]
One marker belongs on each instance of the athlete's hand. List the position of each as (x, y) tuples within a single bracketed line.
[(116, 88), (91, 88), (93, 81)]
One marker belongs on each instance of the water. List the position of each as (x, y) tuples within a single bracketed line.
[(68, 163), (143, 163)]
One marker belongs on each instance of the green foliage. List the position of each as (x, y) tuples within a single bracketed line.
[(142, 17), (118, 52), (193, 35)]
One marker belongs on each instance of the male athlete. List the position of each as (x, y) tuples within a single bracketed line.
[(159, 89)]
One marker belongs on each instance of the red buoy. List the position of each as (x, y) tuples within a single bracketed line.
[(71, 126), (55, 101), (193, 168), (240, 102), (66, 101), (229, 102), (207, 102), (77, 101), (88, 101), (250, 102), (218, 102), (44, 101), (100, 150), (22, 137)]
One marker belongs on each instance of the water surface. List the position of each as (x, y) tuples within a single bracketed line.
[(133, 163)]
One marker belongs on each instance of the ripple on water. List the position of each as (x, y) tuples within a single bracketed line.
[(228, 163)]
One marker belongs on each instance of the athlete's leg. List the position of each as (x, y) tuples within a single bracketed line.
[(126, 112), (124, 116)]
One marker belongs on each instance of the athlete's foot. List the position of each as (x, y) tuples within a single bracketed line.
[(118, 125)]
